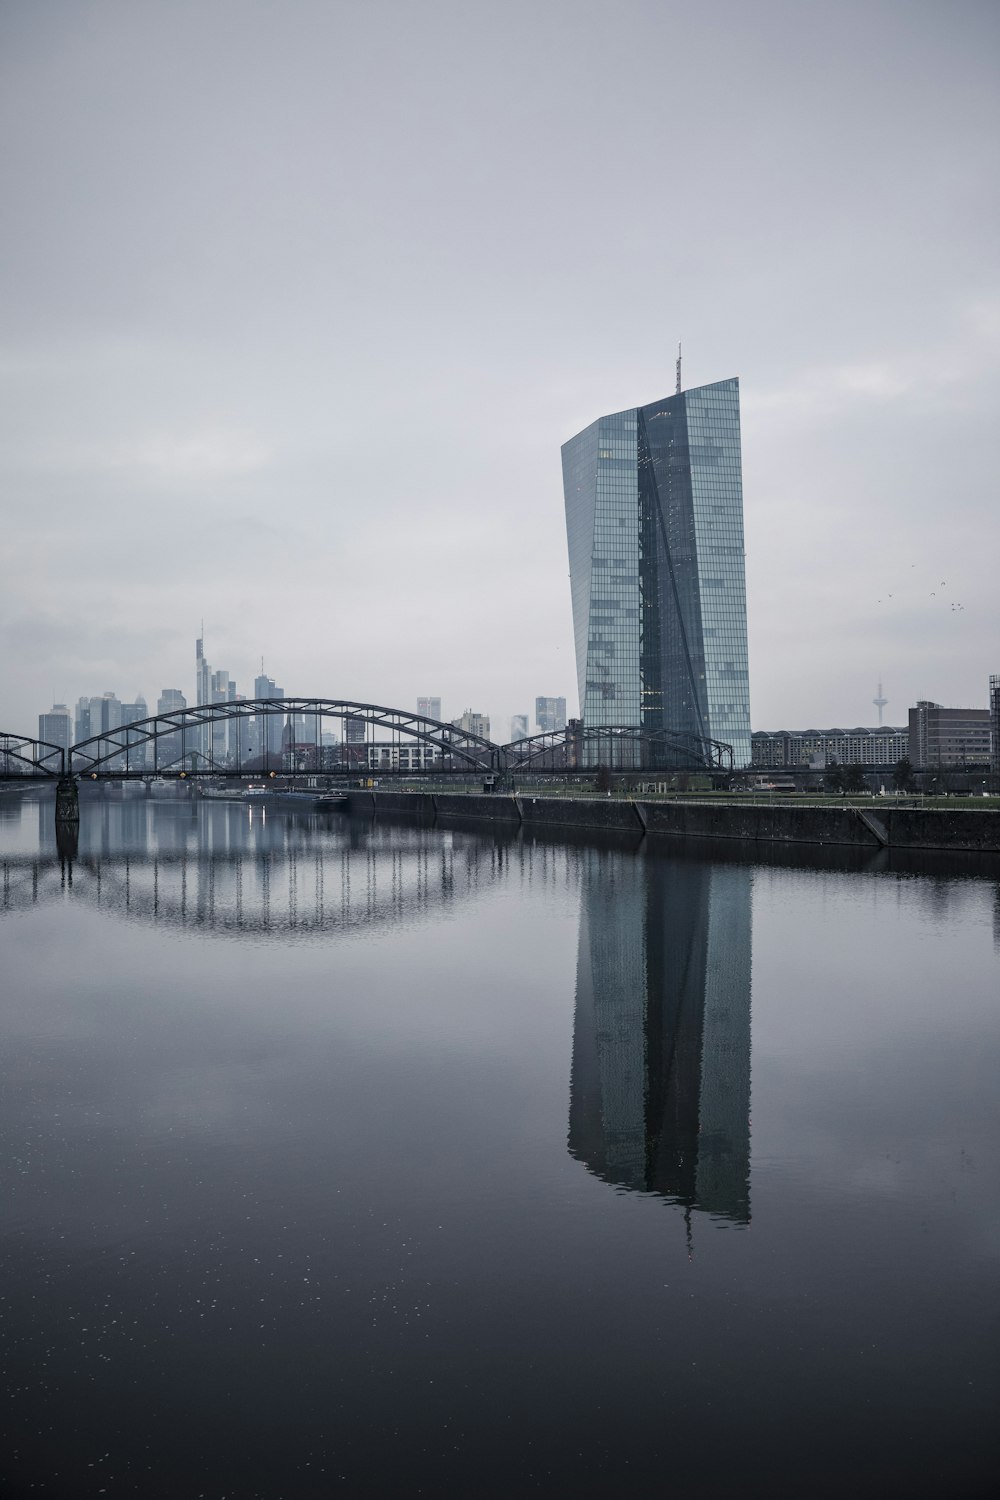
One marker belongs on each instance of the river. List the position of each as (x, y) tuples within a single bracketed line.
[(356, 1159)]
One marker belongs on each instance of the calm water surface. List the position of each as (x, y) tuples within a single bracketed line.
[(348, 1159)]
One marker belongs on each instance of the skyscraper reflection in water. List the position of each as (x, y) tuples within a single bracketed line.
[(660, 1090)]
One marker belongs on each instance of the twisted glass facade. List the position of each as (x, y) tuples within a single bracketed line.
[(654, 520)]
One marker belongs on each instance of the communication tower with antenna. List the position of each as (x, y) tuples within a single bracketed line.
[(880, 702)]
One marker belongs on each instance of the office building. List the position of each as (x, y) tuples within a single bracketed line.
[(947, 738), (518, 727), (392, 757), (171, 747), (103, 714), (217, 741), (81, 721), (132, 713), (202, 673), (429, 707), (654, 521), (550, 714), (815, 749), (266, 729), (56, 727), (995, 724), (473, 723), (222, 690)]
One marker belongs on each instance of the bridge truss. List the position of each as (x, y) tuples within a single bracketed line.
[(275, 735), (289, 737), (620, 747), (21, 757)]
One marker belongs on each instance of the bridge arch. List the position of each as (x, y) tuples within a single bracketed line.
[(220, 738), (261, 736)]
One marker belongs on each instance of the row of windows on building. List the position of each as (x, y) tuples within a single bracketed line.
[(934, 736)]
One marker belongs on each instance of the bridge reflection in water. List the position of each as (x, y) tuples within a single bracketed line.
[(235, 871), (660, 1090), (660, 1086)]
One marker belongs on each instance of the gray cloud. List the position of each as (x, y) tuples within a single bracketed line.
[(300, 302)]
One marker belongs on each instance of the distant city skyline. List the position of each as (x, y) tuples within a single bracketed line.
[(221, 686)]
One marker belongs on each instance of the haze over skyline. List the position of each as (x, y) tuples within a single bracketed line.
[(300, 303)]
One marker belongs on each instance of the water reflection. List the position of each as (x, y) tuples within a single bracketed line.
[(233, 871), (660, 1091)]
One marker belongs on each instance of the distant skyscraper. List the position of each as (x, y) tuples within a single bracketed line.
[(220, 739), (429, 707), (104, 713), (995, 723), (132, 713), (550, 714), (473, 723), (203, 674), (654, 520), (81, 723), (171, 748), (56, 727), (267, 728), (519, 727), (223, 690)]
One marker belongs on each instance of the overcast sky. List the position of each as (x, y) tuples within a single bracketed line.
[(300, 300)]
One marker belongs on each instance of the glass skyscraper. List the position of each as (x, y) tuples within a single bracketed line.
[(654, 520)]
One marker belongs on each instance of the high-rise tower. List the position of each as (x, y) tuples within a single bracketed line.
[(654, 520)]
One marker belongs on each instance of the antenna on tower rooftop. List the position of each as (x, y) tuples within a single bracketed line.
[(678, 369), (880, 702)]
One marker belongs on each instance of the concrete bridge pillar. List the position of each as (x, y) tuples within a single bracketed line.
[(67, 800)]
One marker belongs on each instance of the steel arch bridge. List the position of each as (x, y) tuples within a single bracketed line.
[(219, 739), (283, 736)]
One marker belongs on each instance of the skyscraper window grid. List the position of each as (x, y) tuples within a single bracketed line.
[(654, 521), (602, 506)]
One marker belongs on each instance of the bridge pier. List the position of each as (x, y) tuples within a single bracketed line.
[(67, 800)]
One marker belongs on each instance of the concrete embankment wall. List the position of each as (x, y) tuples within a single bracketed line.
[(784, 823)]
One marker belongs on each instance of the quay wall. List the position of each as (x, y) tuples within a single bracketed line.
[(869, 827)]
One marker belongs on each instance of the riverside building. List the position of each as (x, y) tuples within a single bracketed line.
[(815, 749), (654, 522), (948, 737)]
